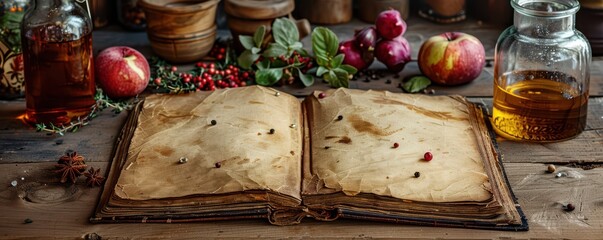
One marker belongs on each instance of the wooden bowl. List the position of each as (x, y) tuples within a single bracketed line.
[(184, 50), (325, 12), (177, 19), (258, 9)]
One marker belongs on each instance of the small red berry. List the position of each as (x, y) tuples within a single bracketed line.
[(220, 57), (245, 74), (428, 156), (227, 71), (174, 68), (199, 64), (211, 71), (157, 81), (212, 65), (396, 145), (322, 95), (186, 80)]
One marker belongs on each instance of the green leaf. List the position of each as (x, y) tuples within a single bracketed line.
[(265, 64), (268, 77), (275, 50), (258, 36), (342, 79), (416, 84), (298, 46), (321, 71), (255, 50), (348, 68), (246, 41), (337, 60), (322, 60), (285, 32), (324, 43), (306, 79), (247, 59)]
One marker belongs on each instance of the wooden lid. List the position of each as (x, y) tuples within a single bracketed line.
[(258, 9)]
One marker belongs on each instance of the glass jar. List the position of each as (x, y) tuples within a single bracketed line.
[(56, 37), (130, 15), (541, 73), (12, 83)]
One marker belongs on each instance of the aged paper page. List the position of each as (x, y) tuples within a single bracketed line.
[(226, 138)]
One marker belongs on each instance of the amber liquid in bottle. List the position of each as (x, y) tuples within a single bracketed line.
[(59, 79), (538, 106)]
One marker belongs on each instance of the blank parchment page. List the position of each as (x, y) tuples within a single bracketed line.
[(226, 138), (353, 135)]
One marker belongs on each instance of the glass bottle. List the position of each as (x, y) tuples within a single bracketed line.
[(541, 73), (56, 38)]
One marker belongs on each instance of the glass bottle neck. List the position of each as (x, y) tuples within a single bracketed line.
[(545, 19)]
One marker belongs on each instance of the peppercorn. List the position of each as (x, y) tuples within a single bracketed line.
[(327, 147), (427, 156), (339, 118), (27, 221), (569, 207), (396, 145), (321, 95), (388, 81), (218, 165), (214, 122), (417, 174), (271, 131)]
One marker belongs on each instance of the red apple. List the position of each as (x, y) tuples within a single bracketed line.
[(452, 58), (122, 72)]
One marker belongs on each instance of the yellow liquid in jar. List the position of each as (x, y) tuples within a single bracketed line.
[(542, 108)]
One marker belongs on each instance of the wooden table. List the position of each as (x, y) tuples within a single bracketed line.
[(56, 211)]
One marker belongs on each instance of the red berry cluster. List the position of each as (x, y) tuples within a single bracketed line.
[(204, 77), (218, 51)]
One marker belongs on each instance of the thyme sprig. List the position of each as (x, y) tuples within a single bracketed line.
[(102, 102)]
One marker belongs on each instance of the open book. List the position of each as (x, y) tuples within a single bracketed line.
[(255, 152)]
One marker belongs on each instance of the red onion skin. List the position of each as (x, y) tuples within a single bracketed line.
[(367, 38), (393, 53), (354, 56), (390, 25)]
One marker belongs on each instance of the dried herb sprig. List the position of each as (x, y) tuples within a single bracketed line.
[(102, 102)]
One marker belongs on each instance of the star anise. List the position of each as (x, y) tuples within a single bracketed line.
[(93, 177), (70, 166)]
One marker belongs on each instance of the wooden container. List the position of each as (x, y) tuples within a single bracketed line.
[(368, 10), (245, 16), (325, 11), (179, 18), (183, 50)]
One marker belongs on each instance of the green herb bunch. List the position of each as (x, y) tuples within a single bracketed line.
[(285, 59)]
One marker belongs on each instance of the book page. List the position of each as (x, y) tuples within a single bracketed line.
[(353, 134), (225, 137)]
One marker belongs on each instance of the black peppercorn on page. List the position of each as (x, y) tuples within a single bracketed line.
[(254, 152)]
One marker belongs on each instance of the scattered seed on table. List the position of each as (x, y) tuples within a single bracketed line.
[(271, 131), (551, 168), (417, 174), (27, 221), (214, 122), (569, 207)]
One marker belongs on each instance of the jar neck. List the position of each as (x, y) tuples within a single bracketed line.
[(545, 19)]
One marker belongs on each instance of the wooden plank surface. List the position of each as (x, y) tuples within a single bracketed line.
[(61, 212)]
